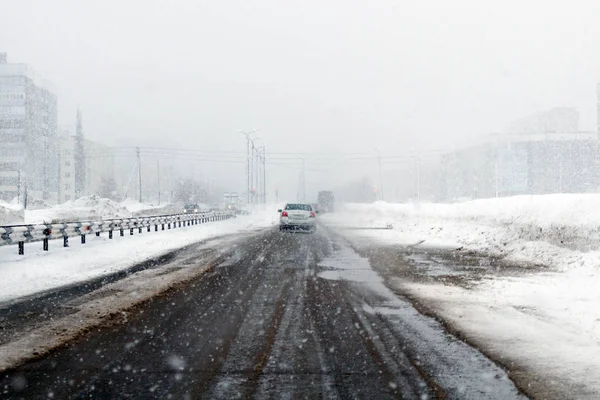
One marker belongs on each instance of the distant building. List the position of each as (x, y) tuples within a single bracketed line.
[(555, 120), (99, 167), (523, 164), (67, 167), (540, 154), (28, 135)]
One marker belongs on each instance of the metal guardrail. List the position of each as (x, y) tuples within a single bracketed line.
[(21, 234)]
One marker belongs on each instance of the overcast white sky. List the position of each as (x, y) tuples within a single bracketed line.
[(314, 75)]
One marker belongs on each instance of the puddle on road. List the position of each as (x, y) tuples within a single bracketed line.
[(345, 264), (350, 275), (424, 265), (431, 267)]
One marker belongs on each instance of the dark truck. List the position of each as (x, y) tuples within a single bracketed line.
[(326, 201)]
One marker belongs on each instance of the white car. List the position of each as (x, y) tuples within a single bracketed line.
[(298, 216)]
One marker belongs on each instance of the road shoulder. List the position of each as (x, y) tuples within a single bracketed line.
[(501, 309)]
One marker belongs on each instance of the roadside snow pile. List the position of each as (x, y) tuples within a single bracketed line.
[(84, 208), (134, 206), (544, 322), (11, 214), (89, 208), (550, 230)]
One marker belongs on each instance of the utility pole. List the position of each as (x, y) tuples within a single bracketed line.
[(252, 174), (418, 179), (171, 183), (158, 178), (265, 175), (380, 174), (139, 166), (303, 180), (248, 184), (19, 188)]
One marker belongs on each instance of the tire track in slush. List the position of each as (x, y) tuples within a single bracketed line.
[(244, 368), (390, 349), (339, 330), (262, 357)]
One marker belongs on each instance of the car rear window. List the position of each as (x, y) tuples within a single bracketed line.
[(303, 207)]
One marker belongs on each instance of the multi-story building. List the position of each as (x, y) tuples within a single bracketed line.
[(67, 167), (99, 165), (28, 135), (523, 164), (100, 169)]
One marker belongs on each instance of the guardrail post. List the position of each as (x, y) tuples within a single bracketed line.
[(156, 228), (82, 239), (110, 234), (65, 241), (45, 244), (131, 231), (21, 248)]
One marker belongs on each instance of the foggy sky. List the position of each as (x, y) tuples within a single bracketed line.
[(322, 76)]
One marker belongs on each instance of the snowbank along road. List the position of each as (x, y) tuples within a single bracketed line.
[(283, 315)]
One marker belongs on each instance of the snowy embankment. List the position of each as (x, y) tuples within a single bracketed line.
[(88, 207), (547, 320), (550, 230), (84, 208), (38, 271), (11, 214)]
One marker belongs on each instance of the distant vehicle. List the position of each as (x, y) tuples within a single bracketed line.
[(191, 208), (298, 216), (326, 201)]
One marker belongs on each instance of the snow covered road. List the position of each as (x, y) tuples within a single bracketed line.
[(285, 315)]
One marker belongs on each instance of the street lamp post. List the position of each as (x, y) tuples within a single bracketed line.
[(249, 140)]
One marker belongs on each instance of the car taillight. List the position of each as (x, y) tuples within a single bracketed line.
[(284, 214), (312, 214)]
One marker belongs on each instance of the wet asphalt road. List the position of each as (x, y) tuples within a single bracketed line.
[(288, 315)]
